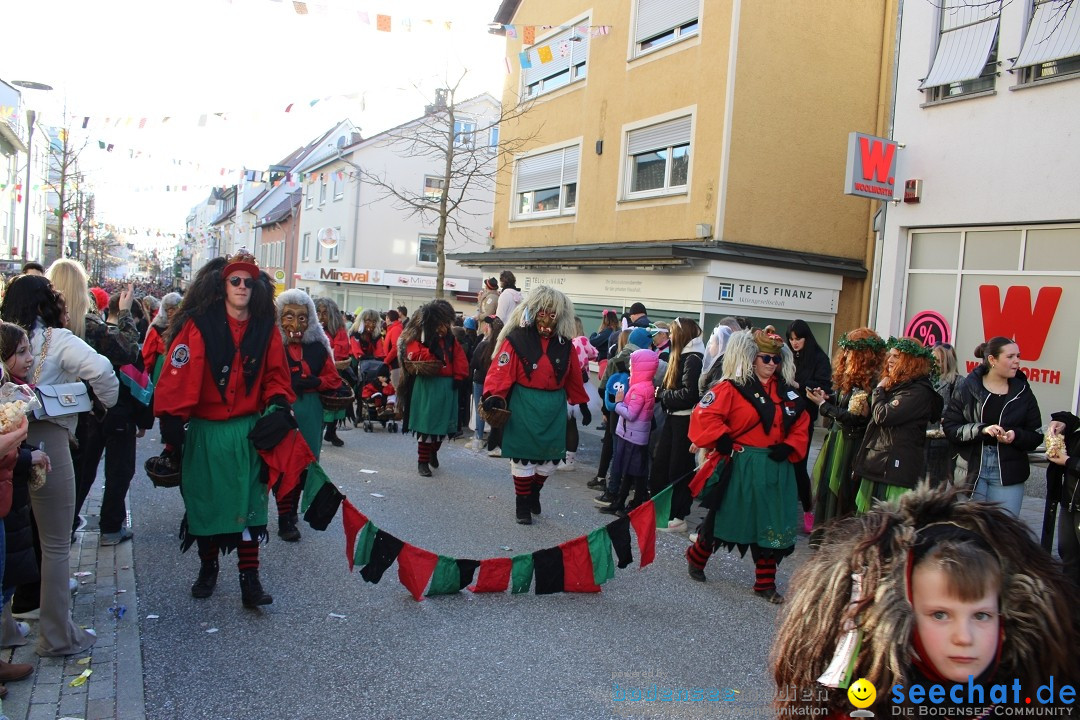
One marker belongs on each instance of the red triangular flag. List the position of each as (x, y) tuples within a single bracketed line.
[(703, 474), (643, 518), (494, 575), (414, 569), (353, 520), (577, 566), (286, 461)]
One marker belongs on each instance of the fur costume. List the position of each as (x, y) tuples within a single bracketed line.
[(1037, 603), (314, 332)]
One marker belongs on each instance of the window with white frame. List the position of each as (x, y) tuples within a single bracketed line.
[(332, 255), (464, 133), (966, 59), (566, 54), (322, 191), (318, 250), (309, 196), (658, 158), (661, 22), (1052, 43), (339, 187), (427, 250), (546, 183), (305, 247), (433, 187), (493, 138)]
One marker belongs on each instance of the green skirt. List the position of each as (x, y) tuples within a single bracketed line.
[(156, 372), (869, 491), (433, 407), (309, 416), (220, 484), (536, 430), (761, 504), (332, 415), (832, 476)]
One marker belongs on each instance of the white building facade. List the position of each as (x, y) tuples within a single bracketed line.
[(986, 240)]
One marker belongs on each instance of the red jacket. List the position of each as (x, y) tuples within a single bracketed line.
[(724, 411), (393, 332), (457, 368), (153, 345), (340, 345), (186, 386), (328, 375), (506, 371), (373, 388)]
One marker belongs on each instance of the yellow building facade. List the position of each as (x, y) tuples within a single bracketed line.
[(689, 154)]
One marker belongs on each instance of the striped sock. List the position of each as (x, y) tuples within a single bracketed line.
[(423, 451), (287, 505), (765, 574), (247, 553), (522, 485), (538, 482), (698, 554)]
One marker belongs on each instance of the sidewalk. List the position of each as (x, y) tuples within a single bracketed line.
[(114, 690)]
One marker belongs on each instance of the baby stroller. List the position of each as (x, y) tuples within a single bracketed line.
[(376, 398)]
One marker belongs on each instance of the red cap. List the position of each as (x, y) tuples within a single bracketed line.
[(242, 261)]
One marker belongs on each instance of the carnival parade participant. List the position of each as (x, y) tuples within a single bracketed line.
[(430, 401), (311, 371), (226, 366), (925, 591), (153, 349), (333, 323), (994, 418), (1063, 481), (534, 373), (757, 423), (855, 375)]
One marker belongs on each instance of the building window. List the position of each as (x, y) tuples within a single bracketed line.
[(427, 250), (493, 139), (546, 184), (332, 255), (464, 133), (567, 55), (339, 187), (662, 22), (433, 187), (322, 192), (309, 196), (318, 251), (658, 158), (305, 248), (966, 59), (1052, 44)]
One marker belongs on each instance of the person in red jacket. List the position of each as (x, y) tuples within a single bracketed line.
[(226, 366), (333, 324), (153, 349), (755, 422), (312, 371), (430, 401), (390, 345), (534, 373)]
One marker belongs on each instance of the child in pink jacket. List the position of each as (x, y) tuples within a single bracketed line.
[(634, 408)]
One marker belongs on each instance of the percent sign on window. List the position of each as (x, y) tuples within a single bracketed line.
[(929, 327)]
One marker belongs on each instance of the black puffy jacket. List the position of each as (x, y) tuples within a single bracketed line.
[(685, 395), (894, 447), (963, 425)]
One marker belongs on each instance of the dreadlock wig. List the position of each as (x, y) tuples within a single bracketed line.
[(423, 326), (208, 290), (850, 612), (314, 332), (540, 298)]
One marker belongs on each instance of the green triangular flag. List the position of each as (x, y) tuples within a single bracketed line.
[(316, 476), (362, 554), (521, 573), (447, 577), (603, 567), (662, 503)]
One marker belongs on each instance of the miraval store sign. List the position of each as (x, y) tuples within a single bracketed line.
[(367, 276)]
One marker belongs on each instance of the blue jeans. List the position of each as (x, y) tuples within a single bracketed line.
[(988, 486), (477, 391)]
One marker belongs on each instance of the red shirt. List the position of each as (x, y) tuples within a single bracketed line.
[(187, 389), (153, 346), (724, 411), (340, 345), (328, 375), (373, 388), (507, 370), (457, 368), (393, 332)]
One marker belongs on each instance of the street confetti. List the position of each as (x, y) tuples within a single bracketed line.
[(152, 617), (336, 616), (84, 661), (212, 630), (368, 472), (118, 611), (378, 495), (121, 592), (506, 548), (84, 573), (81, 679)]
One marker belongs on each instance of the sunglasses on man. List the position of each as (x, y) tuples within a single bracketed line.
[(767, 359), (236, 280)]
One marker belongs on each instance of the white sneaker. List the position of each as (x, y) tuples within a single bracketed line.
[(570, 465), (495, 452), (674, 526)]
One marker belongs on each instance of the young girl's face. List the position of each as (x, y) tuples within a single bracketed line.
[(960, 637), (19, 363)]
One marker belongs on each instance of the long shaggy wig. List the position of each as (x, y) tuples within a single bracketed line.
[(314, 332), (161, 319), (70, 280), (369, 314), (858, 368), (208, 289), (739, 359), (1037, 601), (540, 298), (905, 369), (335, 320), (424, 323)]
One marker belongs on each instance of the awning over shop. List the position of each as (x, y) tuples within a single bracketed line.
[(651, 255)]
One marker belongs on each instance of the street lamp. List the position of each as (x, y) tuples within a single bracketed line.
[(31, 118)]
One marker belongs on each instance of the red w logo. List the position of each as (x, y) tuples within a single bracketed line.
[(1016, 319), (876, 159)]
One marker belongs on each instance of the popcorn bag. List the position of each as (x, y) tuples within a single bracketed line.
[(858, 405), (1055, 444), (16, 402)]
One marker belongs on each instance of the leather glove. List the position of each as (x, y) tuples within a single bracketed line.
[(303, 384), (172, 431), (780, 452), (494, 402), (724, 446), (282, 403), (586, 415)]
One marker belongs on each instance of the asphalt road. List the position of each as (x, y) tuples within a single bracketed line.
[(462, 656)]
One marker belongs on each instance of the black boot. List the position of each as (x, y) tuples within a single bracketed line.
[(423, 469), (524, 517), (287, 530), (534, 500), (207, 580), (251, 590), (434, 458), (331, 435)]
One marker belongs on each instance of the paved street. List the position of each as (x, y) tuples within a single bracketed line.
[(476, 656)]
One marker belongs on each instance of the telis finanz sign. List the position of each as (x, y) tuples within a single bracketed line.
[(871, 167)]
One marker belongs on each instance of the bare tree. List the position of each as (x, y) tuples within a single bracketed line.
[(66, 180), (468, 167)]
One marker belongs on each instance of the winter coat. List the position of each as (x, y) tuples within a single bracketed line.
[(601, 340), (393, 332), (509, 299), (681, 399), (585, 352), (1064, 482), (20, 563), (481, 359), (70, 359), (894, 447), (619, 362), (635, 410), (963, 425), (487, 304)]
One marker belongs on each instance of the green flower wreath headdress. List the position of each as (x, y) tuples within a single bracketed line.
[(870, 343), (916, 348)]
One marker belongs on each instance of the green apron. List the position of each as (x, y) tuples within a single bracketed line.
[(309, 416), (761, 505), (157, 368), (536, 429), (220, 484), (433, 406)]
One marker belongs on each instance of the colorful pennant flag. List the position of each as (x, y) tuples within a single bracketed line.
[(544, 53), (528, 34), (382, 23)]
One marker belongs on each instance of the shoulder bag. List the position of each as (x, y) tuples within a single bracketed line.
[(62, 399)]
